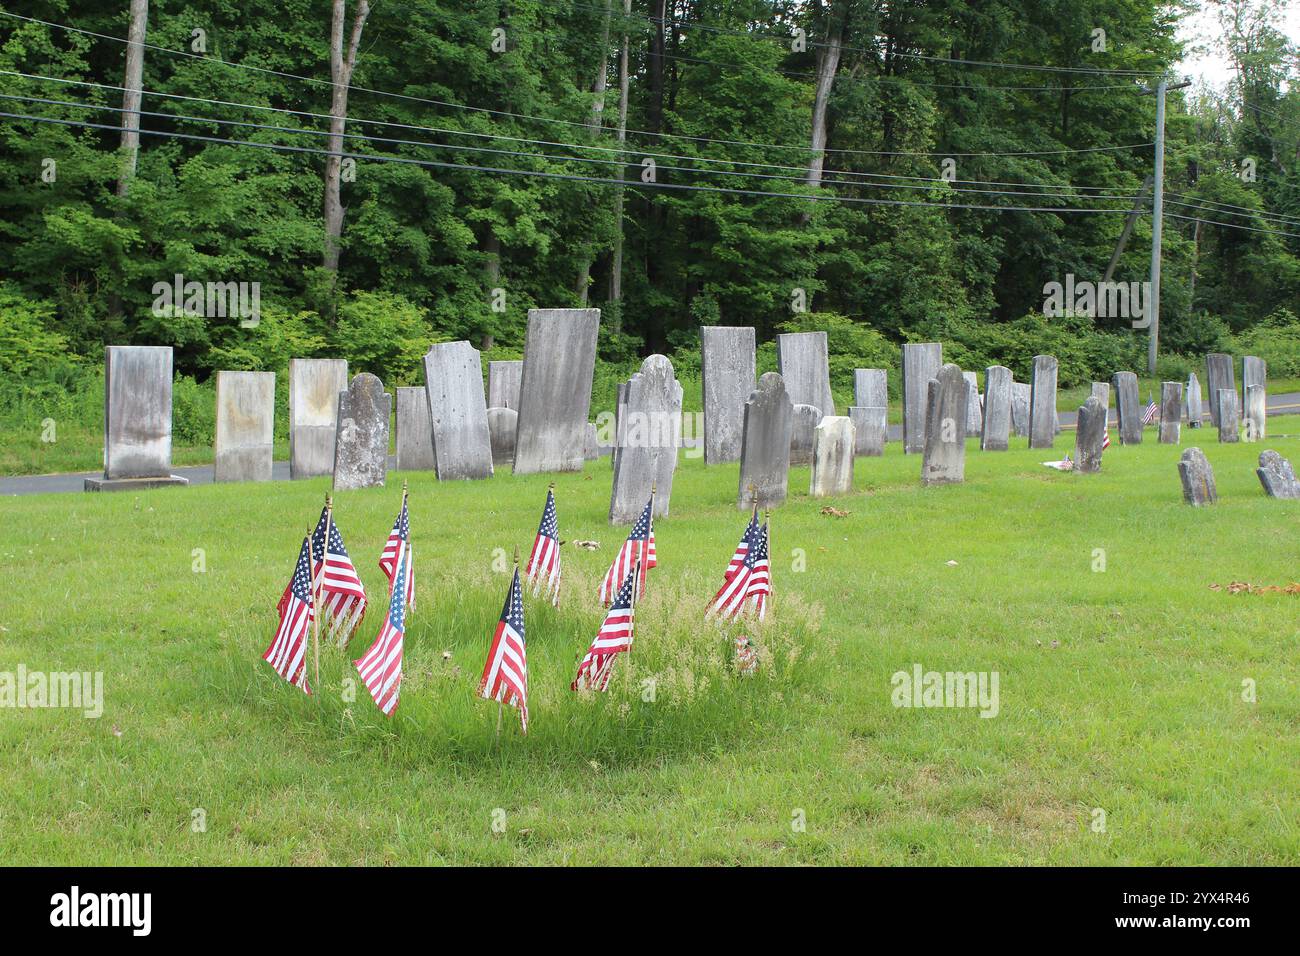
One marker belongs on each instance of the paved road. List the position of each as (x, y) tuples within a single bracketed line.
[(1285, 404)]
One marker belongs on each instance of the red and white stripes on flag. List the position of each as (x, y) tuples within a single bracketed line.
[(614, 638), (543, 567), (1105, 440), (505, 675), (397, 538), (342, 596), (750, 584), (288, 650), (381, 666), (637, 551)]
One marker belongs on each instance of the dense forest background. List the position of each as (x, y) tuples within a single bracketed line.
[(867, 115)]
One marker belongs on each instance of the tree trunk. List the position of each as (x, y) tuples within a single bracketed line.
[(341, 67), (132, 84), (595, 125), (616, 265), (828, 61)]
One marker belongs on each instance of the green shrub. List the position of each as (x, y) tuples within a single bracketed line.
[(1277, 341), (31, 355)]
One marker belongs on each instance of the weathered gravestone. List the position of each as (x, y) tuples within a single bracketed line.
[(1042, 403), (1101, 390), (995, 429), (1197, 477), (245, 432), (1277, 476), (803, 424), (590, 443), (555, 391), (650, 437), (1254, 371), (727, 374), (314, 386), (361, 448), (1229, 430), (137, 419), (1125, 387), (804, 364), (921, 361), (1171, 412), (944, 457), (414, 431), (1256, 417), (1195, 414), (870, 429), (1021, 393), (832, 467), (453, 387), (765, 446), (1090, 436), (1218, 368), (974, 407), (502, 424), (870, 387), (504, 378)]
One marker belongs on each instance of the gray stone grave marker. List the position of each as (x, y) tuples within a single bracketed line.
[(832, 467), (1229, 430), (804, 364), (314, 387), (1042, 403), (1256, 418), (245, 433), (502, 424), (995, 429), (1125, 387), (1197, 477), (870, 430), (1102, 392), (137, 419), (647, 456), (361, 448), (921, 361), (1089, 436), (453, 387), (870, 388), (1171, 412), (1218, 368), (944, 459), (1277, 476), (504, 378), (765, 447), (974, 406), (555, 391), (1195, 414), (803, 424), (1021, 393), (414, 431), (727, 378)]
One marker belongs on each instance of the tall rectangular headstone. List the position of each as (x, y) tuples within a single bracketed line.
[(1171, 412), (314, 386), (1042, 403), (137, 419), (361, 448), (974, 408), (504, 378), (1195, 414), (414, 431), (727, 373), (1253, 372), (1256, 417), (765, 447), (944, 458), (1229, 430), (870, 388), (870, 429), (647, 457), (1020, 395), (832, 465), (803, 428), (1101, 391), (453, 387), (995, 430), (1218, 368), (1125, 387), (804, 363), (921, 361), (245, 434), (555, 393)]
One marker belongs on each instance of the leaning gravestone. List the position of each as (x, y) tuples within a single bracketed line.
[(804, 364), (361, 448), (245, 432), (1195, 416), (832, 467), (1256, 417), (1277, 476), (995, 429), (137, 419), (504, 378), (803, 424), (414, 431), (1125, 386), (870, 387), (1090, 436), (647, 455), (1042, 403), (502, 423), (1229, 430), (1171, 412), (453, 388), (1197, 477), (314, 386), (974, 407), (1102, 392), (1020, 396), (555, 392), (921, 361), (1218, 367), (944, 458), (870, 429), (765, 445), (727, 378)]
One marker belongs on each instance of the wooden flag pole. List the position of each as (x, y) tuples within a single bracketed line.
[(767, 519), (315, 605), (329, 526)]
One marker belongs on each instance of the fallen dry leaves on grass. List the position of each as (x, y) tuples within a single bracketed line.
[(1241, 587)]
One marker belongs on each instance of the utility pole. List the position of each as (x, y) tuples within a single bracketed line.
[(1157, 221)]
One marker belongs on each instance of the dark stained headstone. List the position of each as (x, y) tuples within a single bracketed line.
[(453, 387), (245, 428), (314, 387), (1042, 403), (727, 378), (555, 391), (1197, 477), (944, 456), (361, 447), (1171, 412), (414, 431), (995, 430), (1218, 368), (1277, 476), (137, 419), (921, 361), (765, 448), (1125, 387), (804, 364), (1089, 436), (803, 425)]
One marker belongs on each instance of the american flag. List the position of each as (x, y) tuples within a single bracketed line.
[(342, 597), (399, 539), (614, 638), (544, 562), (1105, 440), (381, 666), (746, 541), (637, 551), (288, 650), (750, 584), (1151, 413), (505, 675)]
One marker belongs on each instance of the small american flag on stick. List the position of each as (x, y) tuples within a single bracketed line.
[(614, 638), (638, 551), (544, 562), (747, 540), (339, 589), (505, 675), (288, 651), (381, 666), (1152, 411), (749, 586), (397, 545)]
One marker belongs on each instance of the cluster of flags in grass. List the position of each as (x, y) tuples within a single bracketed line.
[(325, 586)]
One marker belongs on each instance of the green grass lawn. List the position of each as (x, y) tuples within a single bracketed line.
[(1119, 690)]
